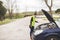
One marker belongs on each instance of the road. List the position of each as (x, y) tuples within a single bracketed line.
[(17, 30)]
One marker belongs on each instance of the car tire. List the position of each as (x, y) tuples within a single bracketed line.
[(53, 38)]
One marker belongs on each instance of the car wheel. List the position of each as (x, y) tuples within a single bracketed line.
[(52, 38)]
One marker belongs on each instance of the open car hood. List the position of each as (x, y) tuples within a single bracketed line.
[(49, 17)]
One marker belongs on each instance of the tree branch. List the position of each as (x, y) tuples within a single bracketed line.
[(46, 3)]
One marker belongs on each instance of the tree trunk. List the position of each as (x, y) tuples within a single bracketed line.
[(49, 6), (10, 13)]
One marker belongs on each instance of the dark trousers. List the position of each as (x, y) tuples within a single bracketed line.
[(31, 30)]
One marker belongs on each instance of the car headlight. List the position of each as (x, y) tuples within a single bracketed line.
[(37, 32)]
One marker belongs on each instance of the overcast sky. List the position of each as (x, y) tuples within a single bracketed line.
[(35, 5)]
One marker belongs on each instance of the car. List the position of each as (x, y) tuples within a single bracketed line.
[(47, 31)]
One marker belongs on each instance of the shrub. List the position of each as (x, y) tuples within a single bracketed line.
[(2, 11)]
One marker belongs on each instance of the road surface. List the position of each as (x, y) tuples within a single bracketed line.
[(17, 30)]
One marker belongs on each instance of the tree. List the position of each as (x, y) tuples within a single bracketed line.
[(57, 11), (2, 11), (49, 6), (10, 6)]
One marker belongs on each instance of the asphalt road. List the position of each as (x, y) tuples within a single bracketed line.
[(17, 30)]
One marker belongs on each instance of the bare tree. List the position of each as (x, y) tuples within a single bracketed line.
[(10, 6), (17, 9), (49, 6)]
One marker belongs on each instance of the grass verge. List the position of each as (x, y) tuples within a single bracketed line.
[(5, 21)]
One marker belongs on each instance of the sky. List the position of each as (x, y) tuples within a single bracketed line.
[(34, 5)]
